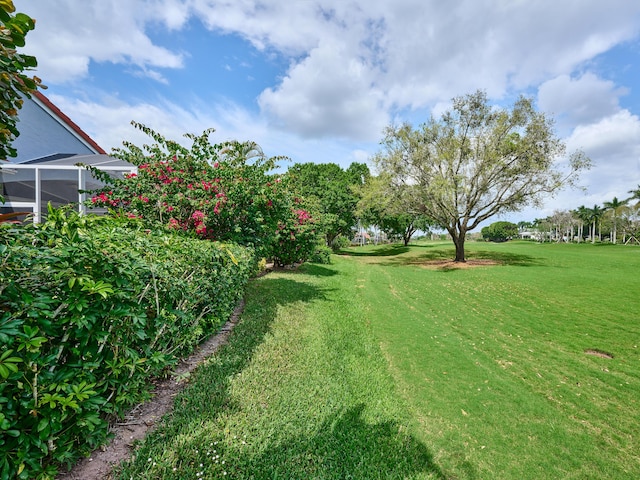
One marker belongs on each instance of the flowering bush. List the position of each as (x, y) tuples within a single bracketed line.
[(215, 191), (295, 238)]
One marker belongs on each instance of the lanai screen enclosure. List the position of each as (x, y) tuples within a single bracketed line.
[(30, 186)]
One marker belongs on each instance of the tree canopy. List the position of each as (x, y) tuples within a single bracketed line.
[(14, 83), (477, 161), (330, 193), (388, 210), (500, 231)]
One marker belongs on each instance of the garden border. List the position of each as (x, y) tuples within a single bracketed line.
[(144, 417)]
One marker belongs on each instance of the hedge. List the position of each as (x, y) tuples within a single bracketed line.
[(90, 309)]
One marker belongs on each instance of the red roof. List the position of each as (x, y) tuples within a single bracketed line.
[(68, 122)]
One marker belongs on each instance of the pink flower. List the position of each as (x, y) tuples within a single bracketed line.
[(197, 216)]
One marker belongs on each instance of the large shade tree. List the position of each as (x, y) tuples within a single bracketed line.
[(477, 161)]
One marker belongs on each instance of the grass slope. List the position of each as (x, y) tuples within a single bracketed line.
[(301, 391), (380, 366)]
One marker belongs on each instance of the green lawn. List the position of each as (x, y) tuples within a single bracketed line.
[(381, 366)]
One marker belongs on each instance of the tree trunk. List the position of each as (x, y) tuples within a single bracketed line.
[(330, 238), (406, 236), (458, 241)]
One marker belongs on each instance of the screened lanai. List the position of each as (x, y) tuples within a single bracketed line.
[(57, 179)]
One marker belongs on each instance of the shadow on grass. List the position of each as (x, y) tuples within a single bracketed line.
[(437, 257), (508, 258), (381, 251), (394, 255), (317, 270), (207, 397), (344, 446)]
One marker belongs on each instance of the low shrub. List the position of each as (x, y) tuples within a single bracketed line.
[(339, 243), (90, 309), (321, 254)]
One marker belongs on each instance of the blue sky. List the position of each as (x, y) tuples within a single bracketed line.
[(317, 81)]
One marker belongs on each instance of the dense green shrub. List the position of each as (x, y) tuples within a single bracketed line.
[(339, 243), (500, 231), (321, 254), (90, 309), (295, 238)]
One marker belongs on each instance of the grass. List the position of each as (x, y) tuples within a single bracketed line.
[(377, 367)]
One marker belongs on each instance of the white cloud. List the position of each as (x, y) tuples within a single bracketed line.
[(613, 145), (70, 34), (317, 97), (616, 137), (108, 121), (412, 54), (586, 99), (352, 63)]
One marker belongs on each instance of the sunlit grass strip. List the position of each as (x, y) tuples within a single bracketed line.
[(495, 361), (301, 391)]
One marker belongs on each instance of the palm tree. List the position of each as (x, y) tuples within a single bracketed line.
[(595, 215), (635, 194), (584, 215), (615, 205)]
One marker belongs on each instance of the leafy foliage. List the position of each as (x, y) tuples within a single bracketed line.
[(90, 309), (475, 162), (14, 83), (391, 210), (216, 191), (500, 231), (330, 193), (295, 239)]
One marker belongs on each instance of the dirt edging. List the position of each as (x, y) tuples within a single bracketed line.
[(143, 418)]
